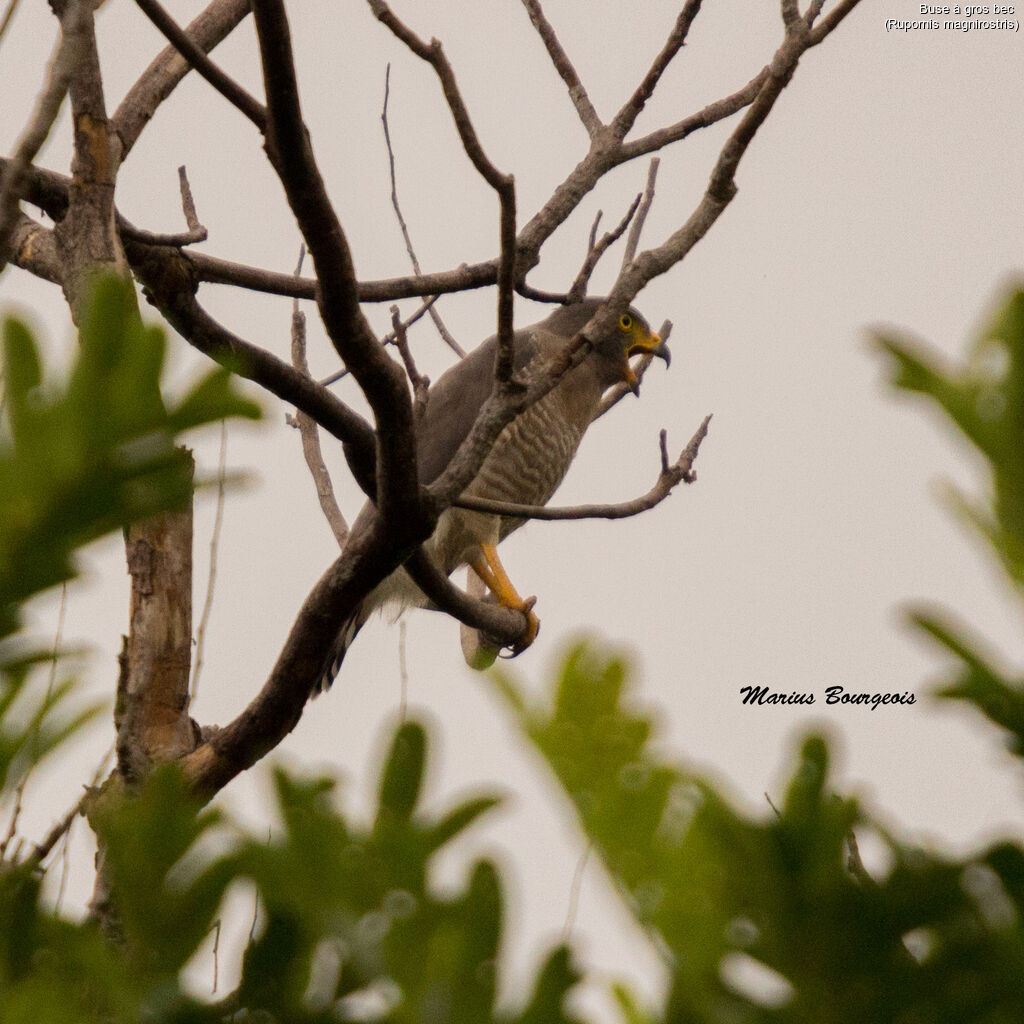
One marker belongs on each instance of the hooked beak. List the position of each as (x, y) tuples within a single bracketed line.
[(651, 345)]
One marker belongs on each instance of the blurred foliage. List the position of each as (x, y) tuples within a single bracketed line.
[(80, 459), (775, 918), (759, 919), (984, 398), (96, 453)]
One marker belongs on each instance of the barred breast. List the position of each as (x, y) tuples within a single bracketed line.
[(527, 463)]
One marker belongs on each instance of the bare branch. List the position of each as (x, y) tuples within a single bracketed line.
[(380, 377), (831, 20), (580, 100), (464, 278), (505, 626), (195, 233), (813, 10), (790, 12), (704, 118), (33, 248), (5, 22), (670, 475), (160, 79), (627, 116), (310, 434), (388, 339), (420, 384), (41, 850), (442, 329), (165, 273), (503, 184), (596, 250), (237, 96), (211, 578), (69, 52), (188, 206), (539, 295), (633, 241), (370, 555)]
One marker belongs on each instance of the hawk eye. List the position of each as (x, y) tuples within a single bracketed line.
[(625, 321)]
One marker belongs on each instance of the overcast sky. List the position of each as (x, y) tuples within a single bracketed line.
[(884, 188)]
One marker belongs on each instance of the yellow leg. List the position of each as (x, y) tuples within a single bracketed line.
[(488, 567)]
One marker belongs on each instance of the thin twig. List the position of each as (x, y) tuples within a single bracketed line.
[(33, 742), (65, 867), (216, 954), (420, 384), (42, 849), (539, 295), (208, 29), (503, 184), (831, 21), (66, 59), (626, 117), (574, 891), (596, 251), (211, 579), (580, 100), (310, 434), (633, 241), (12, 6), (234, 93), (446, 335), (388, 339), (681, 471), (195, 232), (403, 673)]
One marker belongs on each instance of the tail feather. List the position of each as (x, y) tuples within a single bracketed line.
[(332, 665)]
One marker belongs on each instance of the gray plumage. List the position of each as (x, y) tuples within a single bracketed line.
[(530, 457)]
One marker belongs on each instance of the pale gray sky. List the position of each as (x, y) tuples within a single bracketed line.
[(884, 188)]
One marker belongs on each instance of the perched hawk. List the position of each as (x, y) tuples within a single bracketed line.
[(527, 463)]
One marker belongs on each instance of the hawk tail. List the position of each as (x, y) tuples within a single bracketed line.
[(346, 634)]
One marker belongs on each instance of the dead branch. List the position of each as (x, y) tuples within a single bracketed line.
[(70, 50), (388, 339), (503, 184), (5, 21), (505, 626), (420, 384), (380, 377), (310, 435), (442, 329), (33, 248), (595, 250), (165, 273), (183, 42), (580, 100), (633, 241), (211, 577), (670, 475), (160, 79), (195, 233), (627, 116)]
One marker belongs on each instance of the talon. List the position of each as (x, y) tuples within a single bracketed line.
[(532, 628)]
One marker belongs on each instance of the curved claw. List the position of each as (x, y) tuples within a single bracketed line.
[(532, 628)]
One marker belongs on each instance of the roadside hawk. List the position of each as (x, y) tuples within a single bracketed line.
[(527, 463)]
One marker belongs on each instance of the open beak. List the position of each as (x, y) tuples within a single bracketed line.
[(650, 345)]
